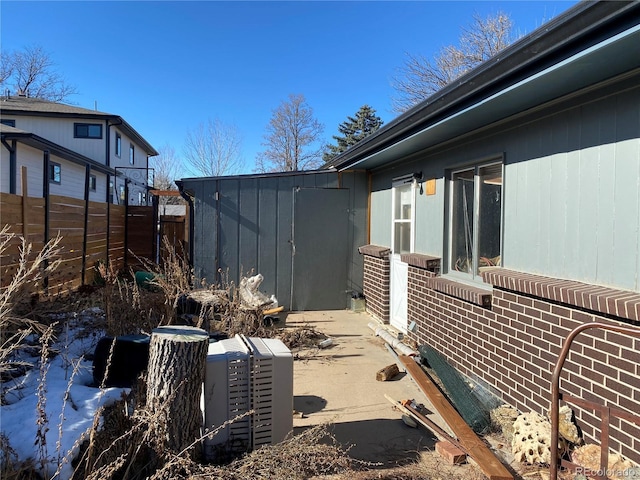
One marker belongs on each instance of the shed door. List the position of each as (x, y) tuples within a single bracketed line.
[(319, 249)]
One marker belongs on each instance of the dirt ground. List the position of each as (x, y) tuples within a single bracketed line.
[(337, 385)]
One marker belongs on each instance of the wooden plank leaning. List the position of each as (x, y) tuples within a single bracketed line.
[(425, 422), (471, 444)]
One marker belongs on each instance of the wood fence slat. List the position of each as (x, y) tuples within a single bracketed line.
[(67, 217)]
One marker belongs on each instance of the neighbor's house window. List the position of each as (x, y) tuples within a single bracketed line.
[(132, 154), (92, 183), (55, 172), (118, 145), (87, 130), (475, 221), (122, 193), (8, 122)]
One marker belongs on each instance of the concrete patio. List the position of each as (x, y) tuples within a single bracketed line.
[(337, 385)]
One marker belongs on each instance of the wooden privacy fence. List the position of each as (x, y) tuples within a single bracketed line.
[(91, 232)]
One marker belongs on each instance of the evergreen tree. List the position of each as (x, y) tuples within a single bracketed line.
[(353, 130)]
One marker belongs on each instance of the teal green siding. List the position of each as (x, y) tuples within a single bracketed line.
[(571, 189)]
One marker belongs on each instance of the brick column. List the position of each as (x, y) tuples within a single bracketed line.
[(375, 283)]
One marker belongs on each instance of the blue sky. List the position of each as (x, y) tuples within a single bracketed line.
[(167, 66)]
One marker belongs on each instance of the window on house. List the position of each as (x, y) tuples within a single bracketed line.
[(122, 193), (118, 145), (93, 181), (87, 130), (8, 122), (475, 219), (402, 218), (55, 172), (131, 154)]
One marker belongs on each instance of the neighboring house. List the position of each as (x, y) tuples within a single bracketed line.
[(78, 147), (504, 211)]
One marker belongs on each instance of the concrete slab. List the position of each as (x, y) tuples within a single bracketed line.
[(337, 385)]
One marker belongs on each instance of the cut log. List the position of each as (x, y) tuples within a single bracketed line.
[(177, 360), (387, 373), (474, 446)]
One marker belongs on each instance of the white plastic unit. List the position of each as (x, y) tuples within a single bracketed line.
[(243, 374)]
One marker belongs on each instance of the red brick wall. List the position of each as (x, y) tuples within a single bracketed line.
[(513, 347), (376, 286)]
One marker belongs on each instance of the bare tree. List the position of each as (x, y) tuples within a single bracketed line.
[(167, 168), (6, 67), (420, 77), (290, 138), (214, 149), (31, 72)]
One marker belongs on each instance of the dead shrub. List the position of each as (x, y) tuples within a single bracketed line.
[(301, 337), (143, 311)]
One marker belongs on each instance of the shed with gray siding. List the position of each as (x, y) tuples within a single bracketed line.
[(300, 230)]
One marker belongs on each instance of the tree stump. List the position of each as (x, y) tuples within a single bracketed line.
[(177, 361)]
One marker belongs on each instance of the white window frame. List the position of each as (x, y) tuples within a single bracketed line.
[(397, 184), (473, 276)]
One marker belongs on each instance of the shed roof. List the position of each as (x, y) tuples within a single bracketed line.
[(587, 44), (21, 105)]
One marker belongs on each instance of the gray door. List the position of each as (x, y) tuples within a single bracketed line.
[(320, 249)]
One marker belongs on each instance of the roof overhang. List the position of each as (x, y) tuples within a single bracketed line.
[(59, 151), (448, 115)]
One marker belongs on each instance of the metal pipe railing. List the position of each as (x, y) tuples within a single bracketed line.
[(556, 396)]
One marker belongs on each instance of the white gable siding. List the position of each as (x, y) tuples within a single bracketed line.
[(72, 176), (28, 157), (100, 193), (61, 130), (71, 179)]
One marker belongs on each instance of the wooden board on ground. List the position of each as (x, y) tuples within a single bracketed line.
[(474, 446)]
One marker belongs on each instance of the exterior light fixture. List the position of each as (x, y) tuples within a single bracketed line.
[(417, 181)]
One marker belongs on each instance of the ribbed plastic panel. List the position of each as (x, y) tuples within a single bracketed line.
[(227, 396), (248, 374), (262, 366)]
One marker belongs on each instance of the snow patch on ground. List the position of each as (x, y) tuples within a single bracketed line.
[(71, 397)]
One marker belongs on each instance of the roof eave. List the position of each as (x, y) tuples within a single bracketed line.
[(525, 57), (43, 144)]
